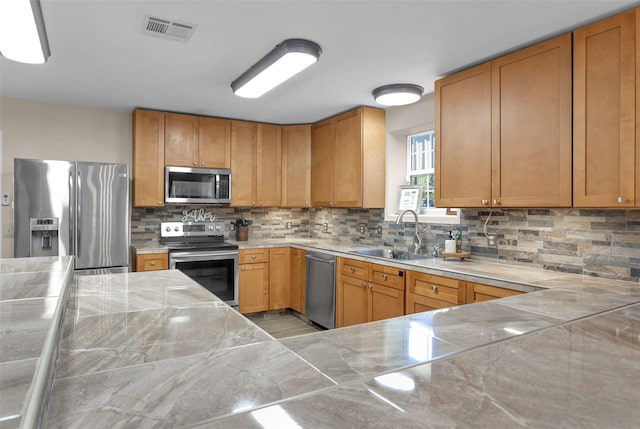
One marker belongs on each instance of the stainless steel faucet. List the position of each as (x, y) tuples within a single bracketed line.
[(417, 242)]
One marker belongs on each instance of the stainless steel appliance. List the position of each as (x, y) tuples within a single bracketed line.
[(197, 185), (321, 289), (73, 208), (198, 249)]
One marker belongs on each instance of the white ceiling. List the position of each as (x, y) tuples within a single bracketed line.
[(101, 58)]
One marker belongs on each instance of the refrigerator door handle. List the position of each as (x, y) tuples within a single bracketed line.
[(72, 216), (78, 219)]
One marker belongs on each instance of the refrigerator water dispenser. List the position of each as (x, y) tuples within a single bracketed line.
[(44, 236)]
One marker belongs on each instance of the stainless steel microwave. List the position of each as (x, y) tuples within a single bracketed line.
[(184, 185)]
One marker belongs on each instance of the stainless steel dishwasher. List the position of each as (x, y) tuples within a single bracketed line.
[(321, 289)]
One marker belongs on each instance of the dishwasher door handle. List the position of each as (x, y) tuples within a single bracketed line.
[(328, 261)]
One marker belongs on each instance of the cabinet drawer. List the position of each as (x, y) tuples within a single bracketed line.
[(253, 256), (353, 268), (388, 276), (478, 292), (152, 262), (440, 288), (419, 303)]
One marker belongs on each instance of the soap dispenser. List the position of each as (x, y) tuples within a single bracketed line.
[(450, 244)]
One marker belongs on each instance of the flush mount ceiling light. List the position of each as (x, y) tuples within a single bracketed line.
[(397, 94), (22, 33), (285, 60)]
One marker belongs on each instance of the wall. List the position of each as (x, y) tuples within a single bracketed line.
[(56, 131)]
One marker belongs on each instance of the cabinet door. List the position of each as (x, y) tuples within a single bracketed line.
[(279, 295), (477, 292), (296, 165), (322, 140), (463, 138), (244, 136), (353, 308), (181, 140), (253, 282), (297, 280), (531, 126), (347, 160), (214, 143), (604, 113), (148, 158), (385, 302), (268, 183), (374, 138)]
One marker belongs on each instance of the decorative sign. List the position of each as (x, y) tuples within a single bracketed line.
[(409, 197), (197, 215)]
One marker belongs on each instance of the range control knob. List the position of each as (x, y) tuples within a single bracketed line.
[(218, 227), (168, 229), (176, 229), (210, 227)]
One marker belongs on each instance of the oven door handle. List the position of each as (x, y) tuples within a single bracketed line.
[(201, 256)]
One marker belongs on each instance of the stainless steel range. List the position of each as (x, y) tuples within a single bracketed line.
[(198, 249)]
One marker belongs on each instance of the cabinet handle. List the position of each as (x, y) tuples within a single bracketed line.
[(260, 203), (496, 201), (253, 203), (195, 163), (244, 268), (202, 163), (363, 285), (370, 287), (384, 277), (253, 256), (434, 288), (353, 270), (622, 199), (153, 263), (160, 202), (484, 202), (306, 203)]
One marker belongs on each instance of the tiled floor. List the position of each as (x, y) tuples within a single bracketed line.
[(282, 324)]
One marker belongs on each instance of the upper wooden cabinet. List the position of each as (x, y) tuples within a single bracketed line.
[(530, 120), (256, 164), (148, 158), (463, 138), (296, 166), (604, 116), (348, 160), (193, 141)]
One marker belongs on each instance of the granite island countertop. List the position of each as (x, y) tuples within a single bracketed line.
[(157, 350)]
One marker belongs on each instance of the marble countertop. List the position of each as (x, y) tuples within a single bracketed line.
[(157, 350)]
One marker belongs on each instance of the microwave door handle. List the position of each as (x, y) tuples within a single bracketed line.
[(217, 186)]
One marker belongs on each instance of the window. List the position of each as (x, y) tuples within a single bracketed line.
[(420, 165)]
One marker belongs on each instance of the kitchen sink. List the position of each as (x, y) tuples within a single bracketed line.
[(391, 254)]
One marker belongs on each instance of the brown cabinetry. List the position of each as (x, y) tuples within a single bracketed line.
[(148, 158), (194, 141), (604, 100), (366, 292), (296, 166), (530, 95), (477, 292), (429, 292), (253, 280), (151, 261), (279, 274), (256, 157), (348, 160), (298, 280)]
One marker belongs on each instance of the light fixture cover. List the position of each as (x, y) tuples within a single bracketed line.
[(397, 94), (285, 60), (22, 34)]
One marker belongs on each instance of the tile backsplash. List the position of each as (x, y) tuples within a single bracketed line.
[(603, 243)]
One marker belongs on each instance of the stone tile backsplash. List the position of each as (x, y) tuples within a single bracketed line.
[(603, 243)]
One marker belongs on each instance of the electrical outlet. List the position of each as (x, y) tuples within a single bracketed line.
[(363, 228), (379, 230), (325, 227), (288, 225), (491, 240), (7, 230)]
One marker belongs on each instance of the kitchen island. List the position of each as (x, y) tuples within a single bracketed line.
[(157, 350)]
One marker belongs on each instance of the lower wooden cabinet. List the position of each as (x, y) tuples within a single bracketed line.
[(271, 279), (477, 292), (298, 280), (151, 262), (253, 280), (429, 292), (367, 292)]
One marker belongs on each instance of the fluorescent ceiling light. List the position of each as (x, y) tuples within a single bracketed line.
[(285, 60), (397, 94), (22, 33)]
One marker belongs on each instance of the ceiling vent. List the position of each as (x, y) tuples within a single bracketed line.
[(172, 30)]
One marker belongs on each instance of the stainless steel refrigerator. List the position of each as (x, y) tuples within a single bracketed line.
[(73, 208)]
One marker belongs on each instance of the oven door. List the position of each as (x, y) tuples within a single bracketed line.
[(216, 271)]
